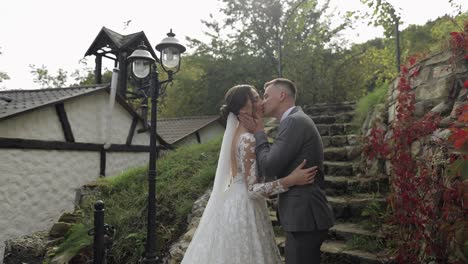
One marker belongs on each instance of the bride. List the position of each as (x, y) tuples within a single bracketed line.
[(235, 227)]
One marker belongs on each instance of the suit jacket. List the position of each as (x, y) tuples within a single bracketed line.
[(302, 208)]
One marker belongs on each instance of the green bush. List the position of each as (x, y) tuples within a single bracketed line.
[(366, 104), (183, 176)]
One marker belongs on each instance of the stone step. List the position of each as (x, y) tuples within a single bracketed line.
[(345, 117), (337, 252), (340, 185), (334, 252), (346, 231), (274, 218), (329, 109), (335, 129), (347, 207), (341, 140), (347, 153), (341, 168), (280, 242)]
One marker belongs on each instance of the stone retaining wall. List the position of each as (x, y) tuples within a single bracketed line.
[(438, 88)]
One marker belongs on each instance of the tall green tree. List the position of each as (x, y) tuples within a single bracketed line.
[(82, 76), (3, 75), (45, 79), (262, 39)]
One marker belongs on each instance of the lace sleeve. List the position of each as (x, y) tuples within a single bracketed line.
[(255, 187)]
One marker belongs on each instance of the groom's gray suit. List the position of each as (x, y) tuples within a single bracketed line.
[(304, 211)]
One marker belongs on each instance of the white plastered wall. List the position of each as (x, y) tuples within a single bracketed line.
[(37, 186), (88, 119), (211, 131), (117, 162), (40, 124)]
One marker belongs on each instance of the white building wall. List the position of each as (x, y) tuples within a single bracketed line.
[(211, 132), (141, 138), (117, 162), (37, 186), (40, 124), (88, 116), (191, 139)]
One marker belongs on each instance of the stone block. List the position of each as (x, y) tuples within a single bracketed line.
[(433, 90), (422, 77), (391, 113), (462, 95), (442, 71), (442, 108), (423, 107), (456, 105), (326, 141), (438, 58), (59, 229), (354, 139), (28, 249), (416, 148), (461, 68), (70, 217), (394, 96)]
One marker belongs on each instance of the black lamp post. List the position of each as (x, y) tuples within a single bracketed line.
[(144, 68)]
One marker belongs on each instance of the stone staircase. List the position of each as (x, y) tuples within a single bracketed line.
[(351, 240)]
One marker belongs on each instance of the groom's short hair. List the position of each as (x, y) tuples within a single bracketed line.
[(286, 83)]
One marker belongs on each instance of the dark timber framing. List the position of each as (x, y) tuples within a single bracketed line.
[(131, 131), (62, 115), (198, 136), (102, 172), (19, 143)]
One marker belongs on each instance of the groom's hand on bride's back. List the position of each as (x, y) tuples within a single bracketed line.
[(252, 124)]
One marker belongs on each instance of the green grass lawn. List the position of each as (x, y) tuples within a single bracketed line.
[(183, 176)]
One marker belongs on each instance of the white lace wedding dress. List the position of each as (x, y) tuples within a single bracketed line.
[(235, 227)]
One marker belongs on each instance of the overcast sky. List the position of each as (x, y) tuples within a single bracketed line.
[(57, 33)]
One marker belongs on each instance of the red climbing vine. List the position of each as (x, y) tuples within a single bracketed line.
[(428, 196)]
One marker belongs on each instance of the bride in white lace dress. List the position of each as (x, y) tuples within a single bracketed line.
[(235, 227)]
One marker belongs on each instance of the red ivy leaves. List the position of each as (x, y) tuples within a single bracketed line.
[(427, 205), (376, 146), (459, 41), (459, 137), (462, 113)]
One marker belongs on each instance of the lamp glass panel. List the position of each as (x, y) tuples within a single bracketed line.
[(170, 57), (141, 68)]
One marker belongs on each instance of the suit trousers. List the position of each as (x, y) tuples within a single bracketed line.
[(304, 247)]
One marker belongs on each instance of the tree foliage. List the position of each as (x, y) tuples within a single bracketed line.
[(45, 79), (3, 75), (256, 40), (82, 76)]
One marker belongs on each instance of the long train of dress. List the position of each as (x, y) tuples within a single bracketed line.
[(239, 231)]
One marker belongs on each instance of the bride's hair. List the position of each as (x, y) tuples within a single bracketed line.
[(236, 98)]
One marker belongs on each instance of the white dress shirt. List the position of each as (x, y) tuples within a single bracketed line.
[(286, 113)]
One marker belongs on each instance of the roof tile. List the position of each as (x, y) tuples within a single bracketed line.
[(175, 129)]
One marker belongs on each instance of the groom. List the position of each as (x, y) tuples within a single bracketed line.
[(304, 210)]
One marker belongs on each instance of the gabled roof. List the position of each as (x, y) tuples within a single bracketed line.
[(175, 129), (115, 42), (14, 102)]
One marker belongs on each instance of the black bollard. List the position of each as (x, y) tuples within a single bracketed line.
[(99, 232)]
